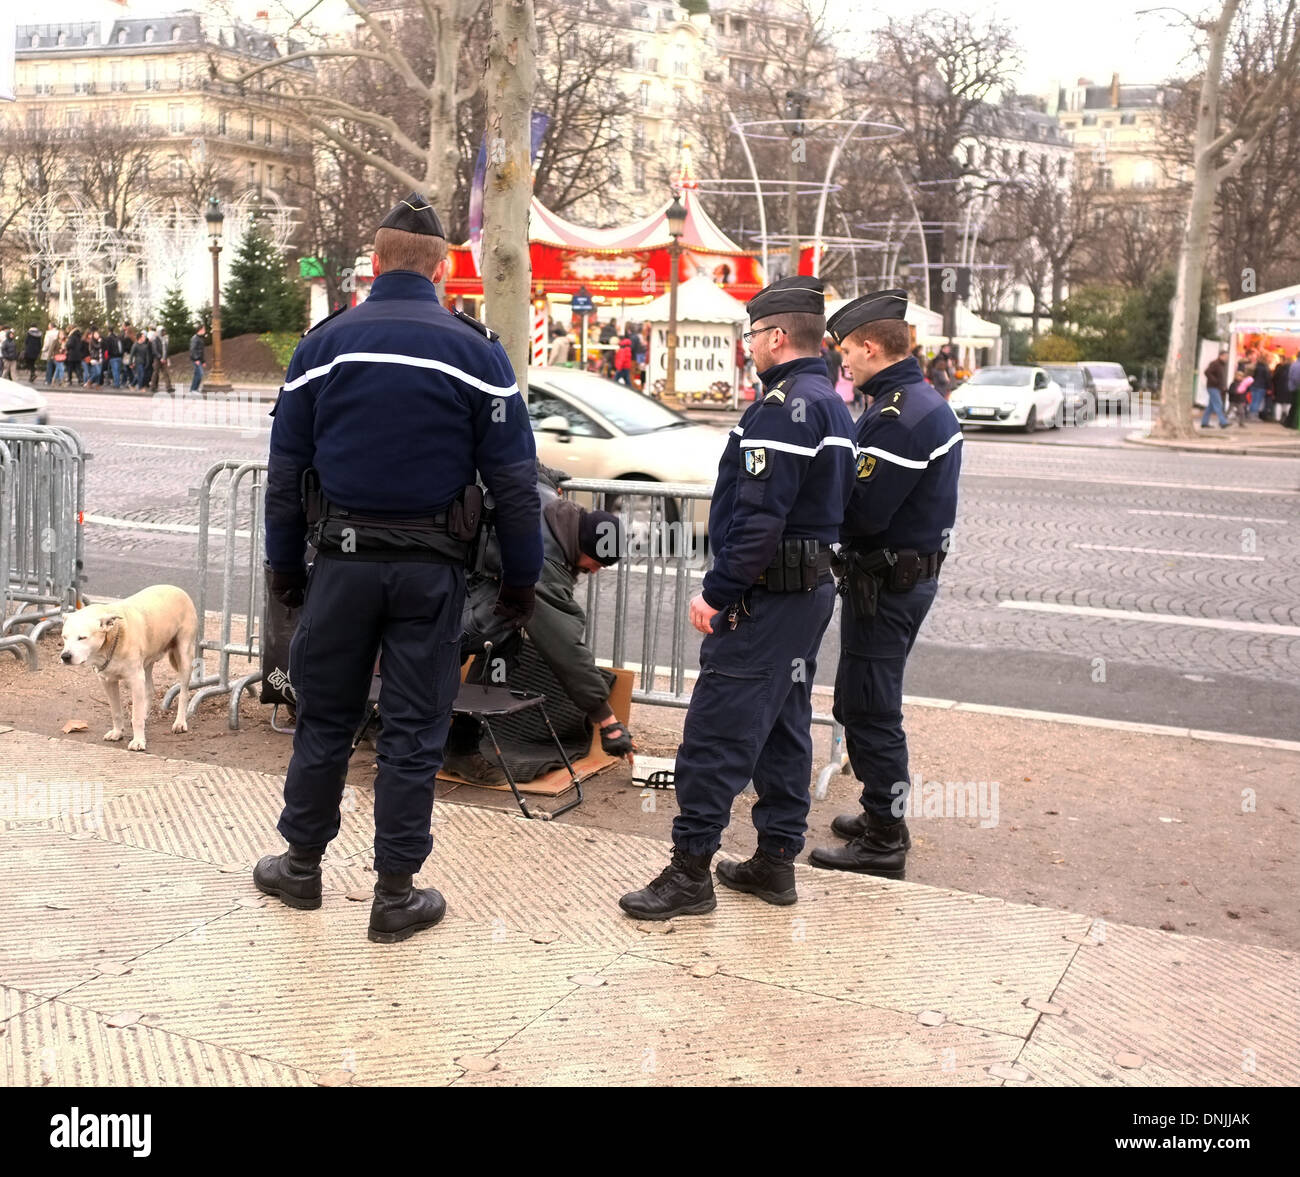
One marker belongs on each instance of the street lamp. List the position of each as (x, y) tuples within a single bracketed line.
[(216, 381), (676, 227)]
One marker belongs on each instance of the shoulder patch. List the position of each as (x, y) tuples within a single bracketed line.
[(482, 328), (755, 460), (777, 395), (866, 466), (327, 318)]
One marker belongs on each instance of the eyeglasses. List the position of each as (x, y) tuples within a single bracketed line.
[(748, 335)]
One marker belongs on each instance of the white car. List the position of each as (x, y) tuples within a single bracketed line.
[(1010, 397), (22, 405), (591, 427)]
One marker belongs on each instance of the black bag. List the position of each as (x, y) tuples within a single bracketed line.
[(279, 623)]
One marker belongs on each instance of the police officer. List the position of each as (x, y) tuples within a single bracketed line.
[(894, 540), (783, 483), (386, 412)]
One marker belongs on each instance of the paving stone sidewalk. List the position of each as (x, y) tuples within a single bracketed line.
[(134, 950)]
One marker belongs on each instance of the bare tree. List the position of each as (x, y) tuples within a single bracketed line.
[(578, 62), (1222, 147), (934, 75)]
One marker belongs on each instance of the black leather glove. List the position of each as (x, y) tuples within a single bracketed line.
[(515, 604), (287, 587), (616, 740)]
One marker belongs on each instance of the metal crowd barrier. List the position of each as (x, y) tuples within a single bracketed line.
[(43, 545), (234, 493), (665, 525)]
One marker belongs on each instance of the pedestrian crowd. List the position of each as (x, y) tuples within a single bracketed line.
[(123, 355), (1263, 388), (616, 351)]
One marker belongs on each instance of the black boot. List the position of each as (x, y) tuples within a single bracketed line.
[(879, 850), (292, 877), (685, 887), (771, 879), (400, 910), (854, 825)]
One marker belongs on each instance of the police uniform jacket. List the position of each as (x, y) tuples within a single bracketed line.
[(396, 403), (786, 473), (909, 457)]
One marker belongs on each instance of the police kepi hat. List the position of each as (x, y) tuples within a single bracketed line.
[(414, 215), (882, 304), (800, 294)]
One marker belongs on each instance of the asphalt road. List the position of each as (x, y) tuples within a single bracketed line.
[(1085, 576)]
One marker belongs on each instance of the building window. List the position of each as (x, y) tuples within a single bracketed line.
[(266, 137), (62, 38), (223, 123), (1021, 160), (252, 175), (148, 33), (176, 119), (176, 32), (115, 82), (1127, 120), (1060, 167), (571, 45), (270, 175), (141, 116), (74, 118), (151, 76), (1042, 166), (252, 134), (36, 41), (1105, 178), (972, 156), (643, 93), (35, 118), (176, 168), (638, 175), (121, 36), (286, 136), (1089, 120)]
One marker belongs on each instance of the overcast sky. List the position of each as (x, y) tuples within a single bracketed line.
[(1061, 42)]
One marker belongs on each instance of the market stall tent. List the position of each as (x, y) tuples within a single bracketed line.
[(709, 322)]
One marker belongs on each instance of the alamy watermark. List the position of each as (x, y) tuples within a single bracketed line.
[(931, 799)]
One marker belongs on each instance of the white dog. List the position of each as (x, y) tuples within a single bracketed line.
[(122, 641)]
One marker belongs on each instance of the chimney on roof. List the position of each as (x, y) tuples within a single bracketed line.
[(1114, 91)]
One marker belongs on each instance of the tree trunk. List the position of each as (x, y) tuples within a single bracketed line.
[(1180, 360), (507, 275)]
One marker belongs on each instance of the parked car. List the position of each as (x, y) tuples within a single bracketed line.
[(1109, 384), (1009, 397), (1080, 404), (22, 405), (594, 428)]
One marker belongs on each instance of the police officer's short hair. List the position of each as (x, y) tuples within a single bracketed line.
[(806, 331), (400, 250), (890, 335)]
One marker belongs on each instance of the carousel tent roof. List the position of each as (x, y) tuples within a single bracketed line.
[(650, 232), (699, 300)]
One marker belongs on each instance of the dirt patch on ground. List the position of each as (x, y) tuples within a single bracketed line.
[(246, 358), (1194, 837)]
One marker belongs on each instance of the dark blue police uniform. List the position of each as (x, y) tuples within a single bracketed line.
[(395, 403), (786, 474), (904, 500)]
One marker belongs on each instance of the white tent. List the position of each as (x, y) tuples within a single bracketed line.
[(708, 324), (699, 300)]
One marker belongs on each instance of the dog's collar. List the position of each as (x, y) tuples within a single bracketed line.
[(117, 634)]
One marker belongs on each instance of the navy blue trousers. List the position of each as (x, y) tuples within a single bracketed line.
[(750, 719), (869, 695), (410, 614)]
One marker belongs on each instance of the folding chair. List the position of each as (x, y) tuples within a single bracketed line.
[(484, 703)]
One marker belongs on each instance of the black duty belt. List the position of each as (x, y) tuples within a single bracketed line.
[(345, 533), (799, 566)]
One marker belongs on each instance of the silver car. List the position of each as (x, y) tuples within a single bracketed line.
[(22, 405)]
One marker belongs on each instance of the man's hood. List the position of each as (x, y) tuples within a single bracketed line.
[(562, 517)]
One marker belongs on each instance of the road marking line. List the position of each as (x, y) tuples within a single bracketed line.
[(1198, 515), (1117, 725), (1082, 481), (147, 422), (151, 445), (1290, 631), (1165, 552), (173, 528)]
